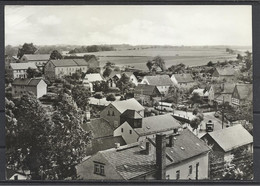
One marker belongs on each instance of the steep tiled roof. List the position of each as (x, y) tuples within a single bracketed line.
[(226, 71), (131, 114), (22, 66), (100, 144), (37, 57), (228, 88), (183, 78), (131, 104), (145, 89), (69, 62), (93, 77), (156, 124), (27, 82), (245, 91), (130, 162), (159, 80), (99, 127), (236, 136)]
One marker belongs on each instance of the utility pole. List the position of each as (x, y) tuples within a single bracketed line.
[(223, 113)]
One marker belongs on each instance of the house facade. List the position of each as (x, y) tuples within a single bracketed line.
[(162, 82), (115, 76), (90, 78), (174, 157), (38, 59), (146, 93), (114, 110), (183, 80), (59, 68), (242, 94), (224, 74), (35, 85), (19, 70), (237, 136)]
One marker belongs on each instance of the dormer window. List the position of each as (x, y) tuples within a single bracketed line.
[(99, 168)]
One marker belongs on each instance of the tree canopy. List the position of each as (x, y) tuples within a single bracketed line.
[(55, 55), (27, 48)]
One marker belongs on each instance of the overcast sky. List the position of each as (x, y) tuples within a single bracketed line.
[(155, 25)]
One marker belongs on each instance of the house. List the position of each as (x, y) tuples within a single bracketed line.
[(162, 82), (8, 60), (243, 93), (224, 73), (92, 61), (181, 156), (59, 68), (213, 91), (226, 93), (102, 136), (11, 174), (39, 59), (203, 93), (224, 141), (35, 85), (115, 76), (90, 78), (18, 70), (146, 93), (183, 80), (134, 128), (114, 110)]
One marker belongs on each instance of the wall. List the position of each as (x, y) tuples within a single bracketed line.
[(113, 120), (49, 70), (129, 138), (20, 177), (183, 167), (85, 170), (41, 89), (163, 89)]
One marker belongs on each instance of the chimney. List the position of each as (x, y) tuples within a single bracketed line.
[(147, 148), (161, 156), (171, 141), (117, 145)]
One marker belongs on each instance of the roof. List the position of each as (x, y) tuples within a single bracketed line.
[(131, 114), (131, 104), (145, 89), (22, 66), (130, 162), (245, 91), (159, 80), (10, 172), (231, 137), (27, 82), (201, 92), (119, 74), (226, 71), (183, 78), (69, 62), (228, 88), (93, 77), (37, 57), (216, 88), (99, 127), (100, 144), (159, 123)]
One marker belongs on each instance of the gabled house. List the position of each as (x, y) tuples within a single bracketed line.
[(135, 128), (19, 70), (59, 68), (115, 76), (11, 174), (8, 60), (38, 59), (227, 73), (226, 93), (90, 78), (35, 85), (242, 94), (115, 109), (183, 80), (146, 93), (214, 90), (181, 156), (162, 82), (224, 142)]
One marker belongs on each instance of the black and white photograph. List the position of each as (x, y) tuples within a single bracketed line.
[(128, 92)]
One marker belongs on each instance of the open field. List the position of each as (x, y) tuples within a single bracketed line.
[(190, 56)]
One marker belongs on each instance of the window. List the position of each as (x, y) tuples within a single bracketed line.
[(178, 175), (99, 168), (113, 113), (190, 169), (130, 131), (16, 177), (122, 130), (108, 113), (167, 177)]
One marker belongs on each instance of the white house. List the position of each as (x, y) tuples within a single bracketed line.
[(35, 85), (203, 93), (19, 70), (115, 76), (90, 78), (183, 80)]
